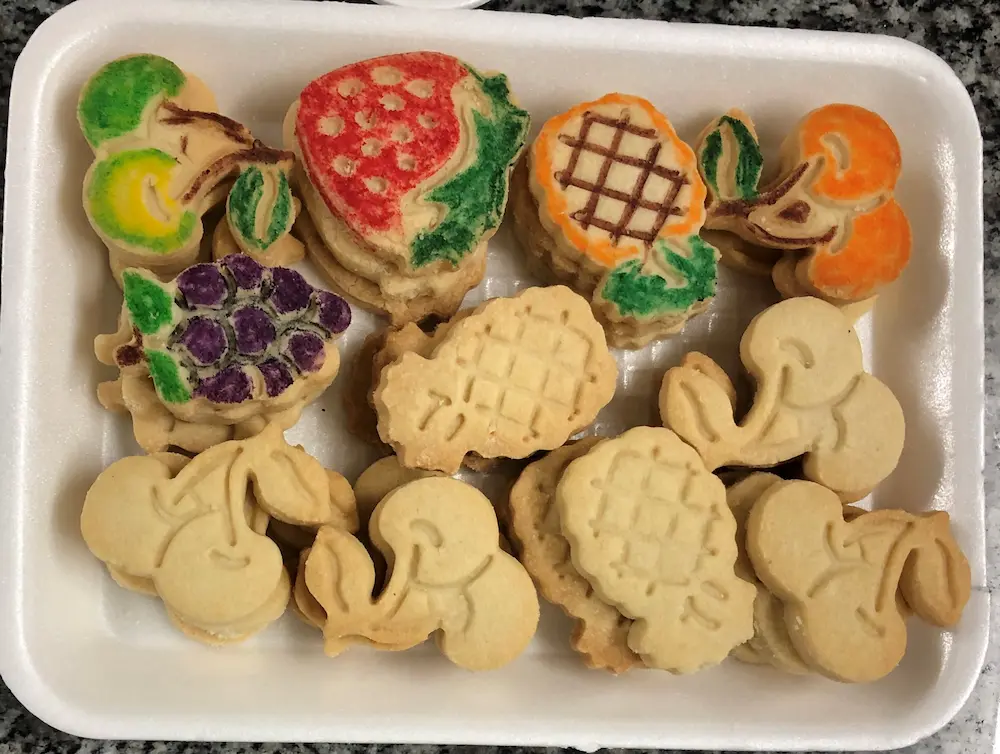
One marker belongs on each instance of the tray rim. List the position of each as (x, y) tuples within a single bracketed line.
[(31, 72)]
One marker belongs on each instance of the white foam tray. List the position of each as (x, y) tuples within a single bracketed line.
[(97, 661)]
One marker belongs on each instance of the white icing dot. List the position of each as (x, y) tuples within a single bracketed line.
[(406, 162), (371, 147), (376, 185)]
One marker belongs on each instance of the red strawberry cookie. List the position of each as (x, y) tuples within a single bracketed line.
[(407, 159)]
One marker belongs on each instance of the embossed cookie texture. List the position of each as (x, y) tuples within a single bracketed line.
[(649, 528), (813, 399), (192, 531), (163, 156), (612, 204), (601, 633), (448, 577), (770, 643), (405, 164), (516, 376), (839, 579), (229, 342), (831, 208)]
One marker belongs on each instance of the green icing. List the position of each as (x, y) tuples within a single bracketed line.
[(640, 295), (115, 98), (749, 160), (475, 197), (150, 307), (167, 378), (244, 201), (710, 154), (114, 200)]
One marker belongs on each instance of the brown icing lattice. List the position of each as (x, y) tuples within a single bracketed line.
[(630, 202)]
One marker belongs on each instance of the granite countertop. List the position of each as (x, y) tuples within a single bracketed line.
[(966, 34)]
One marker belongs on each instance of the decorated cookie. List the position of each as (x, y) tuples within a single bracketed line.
[(649, 528), (187, 528), (601, 633), (163, 156), (619, 205), (516, 376), (406, 160), (838, 579), (232, 340), (814, 399), (448, 575), (832, 202)]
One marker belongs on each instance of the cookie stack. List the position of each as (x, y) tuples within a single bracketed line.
[(828, 224), (219, 351), (835, 602), (191, 532), (514, 376), (636, 539), (610, 202), (404, 170)]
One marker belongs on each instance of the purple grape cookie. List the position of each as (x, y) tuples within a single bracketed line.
[(229, 332)]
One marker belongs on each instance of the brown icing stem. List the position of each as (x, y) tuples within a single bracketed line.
[(257, 154), (797, 211)]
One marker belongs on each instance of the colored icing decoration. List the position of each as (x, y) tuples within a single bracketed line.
[(246, 208), (640, 295), (230, 332), (832, 202), (619, 200), (382, 139), (476, 197), (162, 154), (119, 202), (115, 99)]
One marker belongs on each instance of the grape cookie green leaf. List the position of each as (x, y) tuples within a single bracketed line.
[(232, 331), (144, 195)]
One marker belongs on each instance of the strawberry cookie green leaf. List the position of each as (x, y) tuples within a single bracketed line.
[(380, 136)]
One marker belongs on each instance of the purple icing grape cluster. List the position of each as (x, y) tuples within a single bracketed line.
[(240, 315)]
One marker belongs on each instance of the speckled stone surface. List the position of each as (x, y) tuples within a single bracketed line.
[(965, 34)]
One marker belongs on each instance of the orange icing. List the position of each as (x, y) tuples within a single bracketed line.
[(875, 254), (606, 253), (873, 152)]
